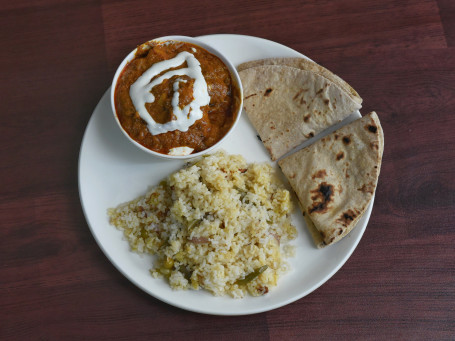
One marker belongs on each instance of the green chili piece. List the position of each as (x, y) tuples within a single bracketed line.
[(194, 223), (251, 276)]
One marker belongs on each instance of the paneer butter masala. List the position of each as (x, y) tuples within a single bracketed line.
[(176, 96)]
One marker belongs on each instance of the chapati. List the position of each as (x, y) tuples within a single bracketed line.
[(335, 178), (308, 65), (288, 105)]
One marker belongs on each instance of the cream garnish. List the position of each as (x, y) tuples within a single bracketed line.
[(180, 151), (140, 93)]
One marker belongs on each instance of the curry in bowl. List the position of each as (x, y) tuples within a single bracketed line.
[(176, 98)]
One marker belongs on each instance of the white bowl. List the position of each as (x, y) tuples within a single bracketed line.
[(234, 76)]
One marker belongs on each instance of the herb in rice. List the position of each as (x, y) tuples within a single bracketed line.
[(219, 224)]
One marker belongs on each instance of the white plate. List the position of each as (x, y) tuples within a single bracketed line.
[(112, 171)]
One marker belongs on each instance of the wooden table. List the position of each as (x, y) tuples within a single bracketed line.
[(58, 58)]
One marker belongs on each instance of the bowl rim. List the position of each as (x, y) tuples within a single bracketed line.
[(234, 76)]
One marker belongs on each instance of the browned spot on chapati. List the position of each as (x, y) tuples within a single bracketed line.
[(250, 96), (374, 145), (340, 155), (322, 197), (347, 217), (267, 92), (310, 135), (367, 188), (300, 92), (319, 91), (371, 128), (320, 174), (336, 137), (326, 101), (346, 140), (306, 118)]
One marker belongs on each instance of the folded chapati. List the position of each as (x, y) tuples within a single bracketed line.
[(308, 65), (288, 105), (335, 178)]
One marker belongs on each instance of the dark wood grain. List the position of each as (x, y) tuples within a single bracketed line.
[(56, 61), (447, 11)]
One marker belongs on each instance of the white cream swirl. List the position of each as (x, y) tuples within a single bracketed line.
[(140, 93)]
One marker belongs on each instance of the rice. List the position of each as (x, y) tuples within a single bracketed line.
[(218, 224)]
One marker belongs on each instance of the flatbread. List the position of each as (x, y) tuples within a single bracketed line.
[(335, 178), (288, 106), (308, 65)]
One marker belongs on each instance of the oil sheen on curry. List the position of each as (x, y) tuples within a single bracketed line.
[(176, 98)]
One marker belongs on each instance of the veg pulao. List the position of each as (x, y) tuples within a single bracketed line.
[(218, 224)]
